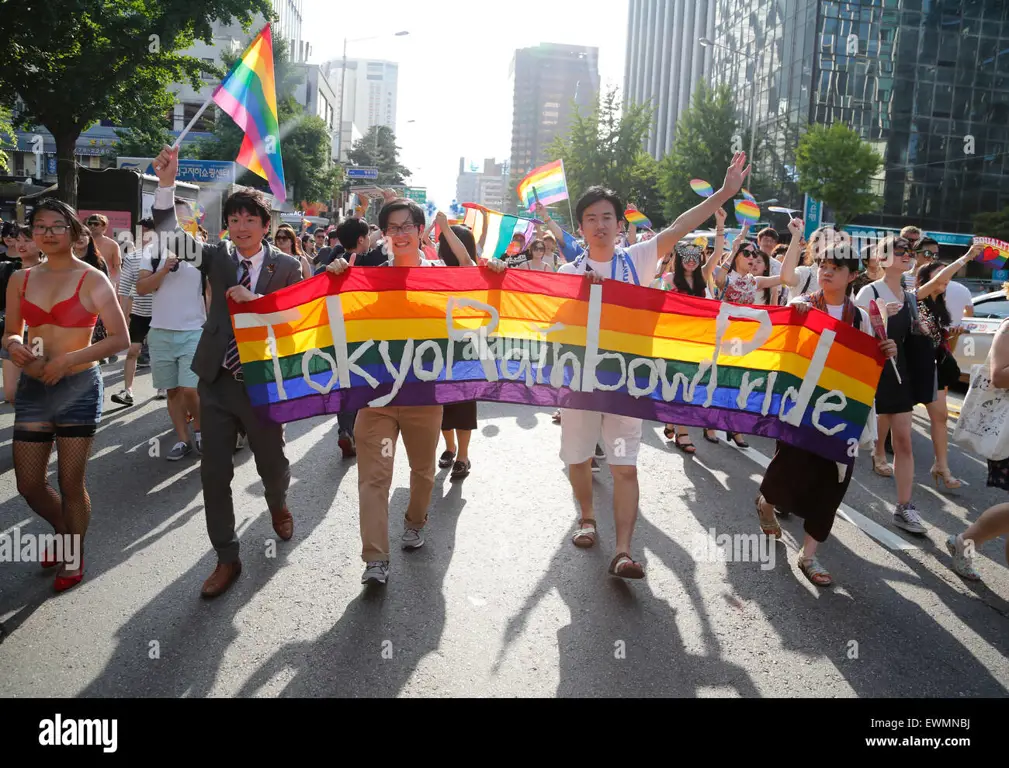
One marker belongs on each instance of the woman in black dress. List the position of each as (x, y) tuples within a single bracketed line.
[(459, 419), (896, 398)]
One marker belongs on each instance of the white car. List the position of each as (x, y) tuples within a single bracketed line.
[(990, 309)]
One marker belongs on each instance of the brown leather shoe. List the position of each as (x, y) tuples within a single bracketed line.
[(221, 579), (283, 524)]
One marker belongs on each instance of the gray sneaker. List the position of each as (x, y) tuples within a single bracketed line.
[(412, 539), (180, 451), (376, 573), (907, 517)]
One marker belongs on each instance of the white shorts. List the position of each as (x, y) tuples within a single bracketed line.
[(581, 431)]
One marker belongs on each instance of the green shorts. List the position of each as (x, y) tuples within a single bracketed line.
[(172, 357)]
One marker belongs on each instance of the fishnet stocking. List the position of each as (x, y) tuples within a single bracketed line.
[(31, 462), (73, 463)]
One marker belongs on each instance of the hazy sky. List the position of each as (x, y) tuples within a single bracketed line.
[(453, 67)]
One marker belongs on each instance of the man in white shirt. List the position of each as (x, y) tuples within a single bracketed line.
[(600, 213), (179, 313)]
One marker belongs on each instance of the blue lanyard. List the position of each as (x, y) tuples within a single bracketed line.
[(626, 264)]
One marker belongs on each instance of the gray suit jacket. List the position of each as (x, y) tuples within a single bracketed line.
[(219, 262)]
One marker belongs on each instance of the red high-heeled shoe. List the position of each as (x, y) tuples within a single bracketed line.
[(48, 564), (63, 583)]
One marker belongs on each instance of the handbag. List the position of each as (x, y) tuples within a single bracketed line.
[(983, 425)]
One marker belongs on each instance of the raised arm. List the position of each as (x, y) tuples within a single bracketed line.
[(787, 275), (718, 253), (692, 219), (939, 282), (454, 243), (170, 234)]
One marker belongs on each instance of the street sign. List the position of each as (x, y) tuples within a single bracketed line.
[(362, 173), (417, 194), (193, 171), (812, 214), (52, 165)]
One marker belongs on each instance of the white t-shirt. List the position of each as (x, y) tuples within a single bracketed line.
[(804, 273), (643, 255), (178, 303), (866, 295), (958, 298), (835, 312)]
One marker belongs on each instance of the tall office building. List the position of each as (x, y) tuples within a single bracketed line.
[(482, 184), (664, 62), (547, 80), (926, 85), (370, 98)]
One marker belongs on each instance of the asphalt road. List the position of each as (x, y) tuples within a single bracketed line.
[(498, 603)]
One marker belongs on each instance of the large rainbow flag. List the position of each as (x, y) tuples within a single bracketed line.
[(401, 336), (249, 95), (548, 184), (501, 228)]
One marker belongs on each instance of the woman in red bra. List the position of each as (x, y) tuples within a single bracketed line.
[(60, 395)]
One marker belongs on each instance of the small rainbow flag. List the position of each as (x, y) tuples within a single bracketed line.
[(547, 183), (501, 228), (637, 218), (248, 94), (995, 253), (411, 336)]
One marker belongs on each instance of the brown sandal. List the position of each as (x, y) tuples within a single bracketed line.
[(769, 527), (585, 536), (623, 567)]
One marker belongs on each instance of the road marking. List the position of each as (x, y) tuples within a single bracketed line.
[(870, 527), (18, 525)]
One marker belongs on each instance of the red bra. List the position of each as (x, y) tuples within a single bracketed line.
[(69, 313)]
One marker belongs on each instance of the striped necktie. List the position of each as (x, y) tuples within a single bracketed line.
[(231, 359)]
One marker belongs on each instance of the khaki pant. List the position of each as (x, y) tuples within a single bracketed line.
[(376, 432)]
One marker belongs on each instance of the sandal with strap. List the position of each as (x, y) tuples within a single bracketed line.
[(883, 469), (815, 572), (737, 438), (585, 536), (770, 527), (669, 431), (711, 438), (685, 447), (623, 567)]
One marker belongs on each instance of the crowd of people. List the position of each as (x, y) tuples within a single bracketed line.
[(164, 302)]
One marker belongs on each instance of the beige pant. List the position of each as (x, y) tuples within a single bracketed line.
[(376, 432)]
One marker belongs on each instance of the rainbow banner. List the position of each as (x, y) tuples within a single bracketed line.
[(995, 252), (501, 228), (414, 336), (249, 95), (547, 183)]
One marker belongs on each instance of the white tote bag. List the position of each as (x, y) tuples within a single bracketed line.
[(983, 426)]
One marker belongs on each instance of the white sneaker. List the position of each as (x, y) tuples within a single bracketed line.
[(412, 539), (376, 573), (162, 395), (907, 517)]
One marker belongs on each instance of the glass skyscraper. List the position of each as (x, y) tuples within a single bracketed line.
[(925, 82)]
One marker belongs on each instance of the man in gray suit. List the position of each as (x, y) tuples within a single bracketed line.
[(242, 269)]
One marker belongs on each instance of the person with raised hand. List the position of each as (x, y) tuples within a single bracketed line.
[(242, 268)]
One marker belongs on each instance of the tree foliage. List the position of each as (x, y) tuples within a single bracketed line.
[(606, 147), (836, 167), (378, 149), (707, 135), (993, 224), (74, 62), (6, 136)]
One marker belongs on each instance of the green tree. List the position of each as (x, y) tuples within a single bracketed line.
[(993, 224), (707, 135), (6, 137), (143, 142), (836, 167), (606, 147), (74, 62), (305, 140), (377, 149)]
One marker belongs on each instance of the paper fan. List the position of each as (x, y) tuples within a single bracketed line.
[(701, 187), (747, 212)]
